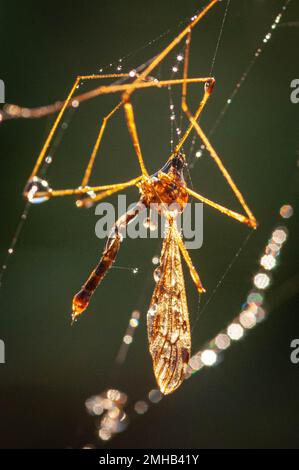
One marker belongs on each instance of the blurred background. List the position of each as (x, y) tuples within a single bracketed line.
[(250, 399)]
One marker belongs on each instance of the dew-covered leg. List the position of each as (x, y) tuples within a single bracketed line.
[(134, 136), (95, 149), (224, 210), (194, 275), (250, 217), (58, 119), (38, 191)]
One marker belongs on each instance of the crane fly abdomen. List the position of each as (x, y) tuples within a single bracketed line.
[(168, 319), (82, 298)]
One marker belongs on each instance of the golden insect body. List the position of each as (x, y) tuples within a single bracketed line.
[(168, 324), (167, 319), (166, 190)]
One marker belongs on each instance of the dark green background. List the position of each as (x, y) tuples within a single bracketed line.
[(249, 400)]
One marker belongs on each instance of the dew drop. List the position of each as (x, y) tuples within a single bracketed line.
[(37, 185), (157, 274), (173, 280), (86, 200), (153, 310), (155, 260)]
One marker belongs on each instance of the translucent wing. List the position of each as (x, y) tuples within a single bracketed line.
[(168, 320)]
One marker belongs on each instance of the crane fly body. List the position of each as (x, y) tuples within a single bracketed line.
[(168, 323), (167, 319)]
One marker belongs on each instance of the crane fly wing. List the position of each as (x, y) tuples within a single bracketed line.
[(168, 320)]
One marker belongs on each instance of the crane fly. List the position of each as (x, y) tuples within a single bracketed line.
[(167, 321)]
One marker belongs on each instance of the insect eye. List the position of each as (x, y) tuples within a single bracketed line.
[(178, 161)]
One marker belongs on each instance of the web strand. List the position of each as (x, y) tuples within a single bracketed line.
[(219, 38)]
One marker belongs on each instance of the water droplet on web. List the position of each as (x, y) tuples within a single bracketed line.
[(75, 103), (35, 186), (86, 200), (155, 260)]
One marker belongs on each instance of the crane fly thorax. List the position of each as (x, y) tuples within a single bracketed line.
[(167, 187)]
